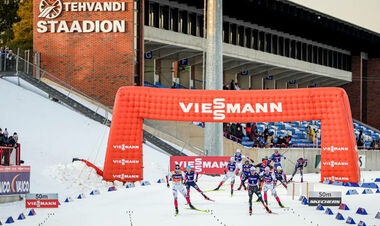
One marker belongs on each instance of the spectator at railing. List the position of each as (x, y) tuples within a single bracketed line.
[(227, 129), (1, 134), (5, 143), (361, 139), (281, 141), (225, 87), (232, 85), (375, 144), (308, 133), (239, 134), (269, 140), (11, 57), (248, 129)]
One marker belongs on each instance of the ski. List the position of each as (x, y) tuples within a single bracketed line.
[(196, 209), (214, 190)]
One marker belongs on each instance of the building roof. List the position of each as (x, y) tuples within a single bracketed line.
[(292, 18)]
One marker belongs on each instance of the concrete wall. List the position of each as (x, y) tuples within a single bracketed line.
[(372, 160)]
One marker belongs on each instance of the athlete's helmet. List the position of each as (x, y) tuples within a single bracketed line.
[(232, 159), (267, 169), (246, 162), (276, 152), (265, 162), (188, 168), (253, 169), (238, 151), (177, 167)]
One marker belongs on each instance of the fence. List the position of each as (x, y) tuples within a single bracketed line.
[(6, 154)]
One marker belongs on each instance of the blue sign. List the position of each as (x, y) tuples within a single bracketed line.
[(184, 62), (244, 72), (270, 77), (292, 82), (148, 55), (14, 180)]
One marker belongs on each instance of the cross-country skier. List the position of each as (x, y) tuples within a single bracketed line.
[(239, 160), (301, 162), (276, 158), (230, 173), (253, 187), (280, 176), (190, 181), (177, 177), (269, 179), (246, 169)]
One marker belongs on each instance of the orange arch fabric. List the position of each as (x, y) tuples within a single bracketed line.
[(339, 158)]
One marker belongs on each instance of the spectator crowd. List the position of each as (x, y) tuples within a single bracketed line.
[(7, 59), (236, 132), (7, 146)]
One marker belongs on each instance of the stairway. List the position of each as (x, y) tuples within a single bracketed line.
[(67, 101)]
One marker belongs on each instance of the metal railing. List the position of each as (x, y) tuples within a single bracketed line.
[(27, 67), (5, 155)]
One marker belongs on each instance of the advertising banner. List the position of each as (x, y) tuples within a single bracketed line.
[(41, 200), (14, 180), (325, 198), (201, 164)]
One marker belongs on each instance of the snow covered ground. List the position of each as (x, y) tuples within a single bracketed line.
[(51, 135)]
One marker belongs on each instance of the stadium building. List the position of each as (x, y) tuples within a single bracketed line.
[(271, 44)]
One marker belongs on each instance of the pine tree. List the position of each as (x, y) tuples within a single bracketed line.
[(8, 16), (23, 30)]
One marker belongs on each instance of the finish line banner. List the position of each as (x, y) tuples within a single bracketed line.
[(14, 180), (201, 164)]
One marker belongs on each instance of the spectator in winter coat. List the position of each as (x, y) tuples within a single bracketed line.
[(5, 139), (233, 128), (13, 140), (227, 129), (281, 141), (308, 133), (239, 134), (232, 85), (5, 143), (248, 129), (361, 139), (266, 133), (1, 134)]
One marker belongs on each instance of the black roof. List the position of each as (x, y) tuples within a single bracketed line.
[(289, 17)]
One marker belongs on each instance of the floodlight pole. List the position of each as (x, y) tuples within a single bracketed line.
[(213, 133)]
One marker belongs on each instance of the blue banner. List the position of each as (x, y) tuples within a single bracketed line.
[(14, 180)]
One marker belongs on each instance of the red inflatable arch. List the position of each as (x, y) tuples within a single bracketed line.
[(124, 157)]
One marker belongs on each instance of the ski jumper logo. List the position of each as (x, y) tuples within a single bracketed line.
[(50, 9)]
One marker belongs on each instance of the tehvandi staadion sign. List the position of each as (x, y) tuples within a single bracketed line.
[(50, 10)]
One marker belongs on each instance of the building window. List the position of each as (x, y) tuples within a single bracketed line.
[(287, 48), (275, 44), (174, 19), (241, 36)]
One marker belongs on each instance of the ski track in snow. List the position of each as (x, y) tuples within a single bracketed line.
[(51, 135)]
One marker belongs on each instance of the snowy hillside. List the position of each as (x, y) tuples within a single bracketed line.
[(51, 135)]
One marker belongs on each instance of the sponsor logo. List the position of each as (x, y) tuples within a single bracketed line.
[(219, 108), (201, 164), (51, 9), (124, 147), (40, 203), (125, 161), (333, 178), (326, 202), (124, 176), (333, 163), (332, 148), (19, 186)]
